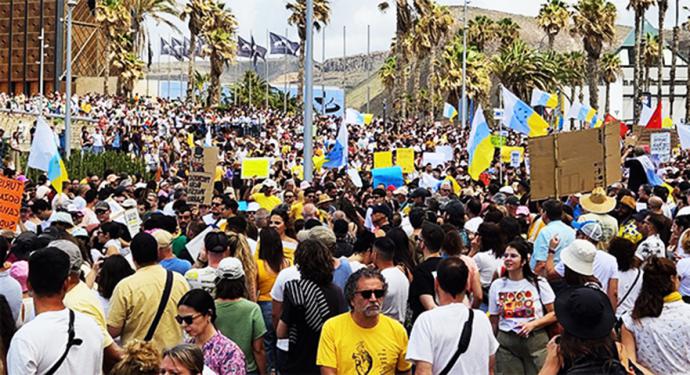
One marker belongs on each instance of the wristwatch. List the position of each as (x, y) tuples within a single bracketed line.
[(552, 251)]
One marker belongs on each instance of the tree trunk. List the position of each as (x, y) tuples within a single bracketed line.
[(646, 79), (416, 79), (607, 107), (581, 95), (636, 68), (190, 70), (403, 90), (660, 67), (552, 39), (434, 83), (106, 72), (593, 80), (216, 71)]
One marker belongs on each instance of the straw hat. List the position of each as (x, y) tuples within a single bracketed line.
[(598, 202), (324, 198)]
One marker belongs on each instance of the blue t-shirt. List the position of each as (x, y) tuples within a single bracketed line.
[(342, 273), (176, 265), (541, 244)]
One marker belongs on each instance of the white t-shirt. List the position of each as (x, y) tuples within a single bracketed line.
[(517, 302), (202, 278), (31, 353), (287, 274), (651, 246), (626, 281), (683, 269), (98, 140), (487, 263), (435, 337), (395, 302), (604, 268)]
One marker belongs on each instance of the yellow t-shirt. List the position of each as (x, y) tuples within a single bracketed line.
[(296, 211), (83, 300), (135, 301), (351, 349), (289, 250), (267, 202)]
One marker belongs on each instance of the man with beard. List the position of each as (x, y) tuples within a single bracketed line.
[(363, 341)]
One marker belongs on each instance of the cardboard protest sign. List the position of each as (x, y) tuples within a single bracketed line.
[(199, 188), (643, 136), (10, 202), (433, 158), (388, 176), (404, 157), (660, 146), (255, 168), (574, 162), (383, 159)]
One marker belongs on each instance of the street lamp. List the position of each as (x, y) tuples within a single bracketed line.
[(68, 80)]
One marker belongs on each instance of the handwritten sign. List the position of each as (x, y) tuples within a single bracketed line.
[(255, 168), (199, 188), (383, 159), (660, 146), (10, 202), (404, 157)]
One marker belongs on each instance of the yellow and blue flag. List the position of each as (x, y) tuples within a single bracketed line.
[(517, 115), (44, 155), (449, 111), (479, 147), (337, 157), (543, 98)]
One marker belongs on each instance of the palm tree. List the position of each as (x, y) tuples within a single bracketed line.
[(388, 73), (403, 25), (508, 31), (478, 84), (674, 55), (520, 68), (196, 13), (650, 56), (131, 69), (574, 65), (480, 31), (610, 70), (640, 7), (221, 46), (595, 22), (663, 7), (114, 19), (141, 11), (552, 18), (322, 15)]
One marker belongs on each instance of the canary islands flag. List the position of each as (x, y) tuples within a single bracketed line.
[(449, 111), (337, 157), (479, 146), (543, 98), (517, 115), (44, 155)]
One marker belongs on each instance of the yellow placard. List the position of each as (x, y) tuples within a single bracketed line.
[(507, 150), (383, 159), (255, 168), (404, 157)]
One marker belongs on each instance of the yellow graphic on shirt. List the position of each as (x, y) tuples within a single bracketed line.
[(516, 304)]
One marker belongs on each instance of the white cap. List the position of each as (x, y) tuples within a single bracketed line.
[(685, 211), (506, 190), (230, 268), (579, 257), (253, 207)]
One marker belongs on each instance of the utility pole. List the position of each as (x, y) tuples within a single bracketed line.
[(309, 92), (464, 65), (68, 80)]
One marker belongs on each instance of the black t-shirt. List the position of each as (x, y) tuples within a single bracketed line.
[(304, 340), (422, 283)]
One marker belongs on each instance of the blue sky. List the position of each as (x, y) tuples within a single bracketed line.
[(256, 16)]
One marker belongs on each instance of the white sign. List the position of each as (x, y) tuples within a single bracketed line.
[(433, 158), (446, 151), (197, 243), (133, 221), (515, 159), (660, 146)]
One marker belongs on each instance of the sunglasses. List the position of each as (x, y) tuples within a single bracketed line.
[(215, 204), (189, 319), (100, 212), (366, 294)]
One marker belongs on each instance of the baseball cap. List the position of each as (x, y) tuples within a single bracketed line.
[(61, 217), (253, 207), (592, 229), (381, 208), (72, 251), (163, 238), (507, 190), (420, 193), (454, 208), (216, 242), (513, 200), (102, 205), (79, 232), (230, 268), (579, 257), (685, 211)]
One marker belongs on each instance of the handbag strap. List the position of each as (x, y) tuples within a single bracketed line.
[(620, 301), (71, 341), (463, 344), (536, 285), (161, 305)]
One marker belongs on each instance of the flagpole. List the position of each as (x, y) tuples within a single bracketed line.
[(368, 65), (309, 90), (268, 45), (170, 69), (158, 78), (323, 63), (464, 65), (285, 78), (344, 68), (500, 134)]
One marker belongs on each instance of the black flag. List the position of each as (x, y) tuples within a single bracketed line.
[(244, 49), (177, 49), (258, 52), (150, 56), (281, 45), (165, 47)]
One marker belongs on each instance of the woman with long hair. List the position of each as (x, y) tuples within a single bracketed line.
[(453, 247), (629, 274), (487, 251), (308, 303), (183, 359), (109, 272), (520, 307), (280, 221), (7, 329), (138, 358), (239, 249), (197, 314), (658, 318), (270, 261), (403, 254)]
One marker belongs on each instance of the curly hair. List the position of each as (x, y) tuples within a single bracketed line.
[(138, 358), (363, 273), (657, 282), (314, 262)]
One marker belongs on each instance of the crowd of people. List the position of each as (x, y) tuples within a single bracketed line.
[(442, 275)]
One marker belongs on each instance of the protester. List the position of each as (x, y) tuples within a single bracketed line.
[(363, 340), (183, 359), (421, 295), (434, 339), (630, 274), (395, 302), (138, 358)]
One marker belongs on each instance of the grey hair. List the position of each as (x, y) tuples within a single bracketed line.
[(362, 273)]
